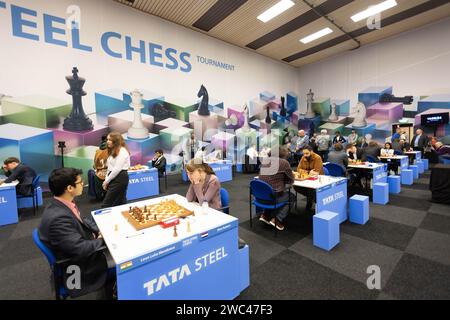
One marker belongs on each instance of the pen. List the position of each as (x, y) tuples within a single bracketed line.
[(135, 235)]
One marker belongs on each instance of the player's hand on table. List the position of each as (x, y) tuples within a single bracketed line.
[(1, 182), (313, 173)]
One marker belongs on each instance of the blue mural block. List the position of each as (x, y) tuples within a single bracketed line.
[(267, 96), (110, 102), (439, 101), (145, 149), (381, 193), (305, 124), (342, 107), (149, 100), (33, 146), (326, 230), (372, 95), (359, 209), (407, 177), (394, 184), (370, 128), (291, 102)]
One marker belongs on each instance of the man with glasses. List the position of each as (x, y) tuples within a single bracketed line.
[(71, 236)]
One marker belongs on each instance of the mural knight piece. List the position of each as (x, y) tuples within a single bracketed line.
[(360, 116), (309, 111), (203, 109), (137, 130), (78, 120)]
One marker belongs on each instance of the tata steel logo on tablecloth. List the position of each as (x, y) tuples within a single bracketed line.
[(332, 198), (141, 180), (65, 31), (184, 271)]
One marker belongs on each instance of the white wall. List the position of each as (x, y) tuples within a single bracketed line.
[(30, 67), (415, 63)]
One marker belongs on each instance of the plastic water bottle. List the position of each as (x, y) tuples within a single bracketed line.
[(205, 207)]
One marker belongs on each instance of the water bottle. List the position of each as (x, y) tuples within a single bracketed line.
[(205, 207)]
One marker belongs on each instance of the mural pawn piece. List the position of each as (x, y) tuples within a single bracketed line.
[(360, 116), (283, 107), (137, 130), (333, 116), (310, 112), (77, 120)]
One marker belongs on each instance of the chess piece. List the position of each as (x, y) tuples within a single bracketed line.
[(175, 234), (116, 227), (310, 112), (360, 116), (137, 130), (246, 127), (283, 108), (268, 119), (77, 120), (131, 209), (154, 217), (333, 116), (203, 109), (188, 227)]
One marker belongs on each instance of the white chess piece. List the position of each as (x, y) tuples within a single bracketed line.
[(310, 112), (333, 116), (137, 130), (360, 116), (246, 127)]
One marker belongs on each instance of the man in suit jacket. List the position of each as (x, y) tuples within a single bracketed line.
[(71, 236), (159, 162), (419, 141), (14, 170)]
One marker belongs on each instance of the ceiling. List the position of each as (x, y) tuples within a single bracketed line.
[(235, 22)]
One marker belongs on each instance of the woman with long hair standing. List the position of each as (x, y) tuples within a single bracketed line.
[(116, 181), (205, 186)]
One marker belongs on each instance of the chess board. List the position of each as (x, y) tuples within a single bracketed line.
[(152, 215), (302, 175)]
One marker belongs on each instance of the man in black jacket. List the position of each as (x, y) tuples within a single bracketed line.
[(71, 236), (14, 170), (419, 141), (159, 162)]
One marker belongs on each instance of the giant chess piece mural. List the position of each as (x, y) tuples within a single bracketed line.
[(246, 127), (203, 109), (137, 130), (77, 120), (283, 107), (360, 116), (310, 112), (333, 116), (268, 120)]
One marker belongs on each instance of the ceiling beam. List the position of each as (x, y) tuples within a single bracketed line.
[(432, 4), (299, 22), (217, 13)]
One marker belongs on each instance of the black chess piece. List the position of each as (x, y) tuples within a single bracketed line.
[(268, 119), (203, 109), (283, 108), (77, 120)]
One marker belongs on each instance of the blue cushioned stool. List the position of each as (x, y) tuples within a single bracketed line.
[(420, 166), (359, 209), (415, 170), (394, 184), (425, 164), (326, 230), (407, 177), (380, 193)]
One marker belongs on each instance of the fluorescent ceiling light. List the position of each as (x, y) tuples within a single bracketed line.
[(277, 9), (317, 35), (373, 10)]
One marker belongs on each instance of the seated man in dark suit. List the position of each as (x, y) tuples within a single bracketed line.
[(14, 170), (159, 162), (70, 236)]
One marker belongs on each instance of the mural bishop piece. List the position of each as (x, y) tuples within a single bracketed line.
[(78, 120)]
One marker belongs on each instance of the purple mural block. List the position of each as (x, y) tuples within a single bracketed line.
[(239, 113), (223, 140), (78, 139), (386, 111)]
